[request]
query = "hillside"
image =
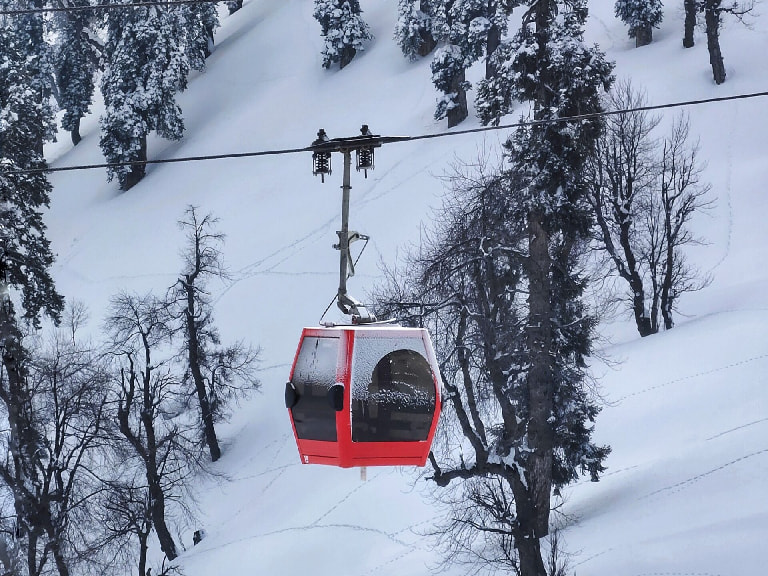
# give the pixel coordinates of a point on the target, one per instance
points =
(686, 411)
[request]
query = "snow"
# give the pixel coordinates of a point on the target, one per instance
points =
(686, 411)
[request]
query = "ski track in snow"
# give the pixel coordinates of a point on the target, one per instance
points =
(309, 528)
(742, 427)
(667, 490)
(678, 574)
(690, 377)
(727, 192)
(339, 503)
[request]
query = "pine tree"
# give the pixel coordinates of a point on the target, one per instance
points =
(449, 77)
(147, 63)
(26, 121)
(473, 30)
(495, 93)
(562, 77)
(499, 283)
(642, 16)
(343, 29)
(418, 27)
(75, 60)
(202, 21)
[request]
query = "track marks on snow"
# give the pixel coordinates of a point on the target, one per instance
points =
(693, 376)
(677, 487)
(737, 428)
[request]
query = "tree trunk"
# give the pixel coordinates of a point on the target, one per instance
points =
(643, 35)
(32, 539)
(143, 547)
(667, 289)
(156, 493)
(690, 23)
(167, 545)
(540, 392)
(460, 111)
(138, 170)
(75, 133)
(527, 542)
(347, 54)
(493, 42)
(61, 563)
(428, 41)
(712, 21)
(209, 42)
(644, 325)
(206, 413)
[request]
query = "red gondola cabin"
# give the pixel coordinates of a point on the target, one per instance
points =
(364, 396)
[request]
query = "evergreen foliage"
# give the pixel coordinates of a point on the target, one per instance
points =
(202, 21)
(472, 29)
(550, 158)
(75, 61)
(343, 29)
(641, 16)
(495, 94)
(26, 123)
(418, 27)
(448, 66)
(147, 62)
(26, 120)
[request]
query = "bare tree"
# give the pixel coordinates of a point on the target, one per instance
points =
(217, 374)
(713, 21)
(147, 399)
(682, 194)
(622, 173)
(644, 192)
(64, 390)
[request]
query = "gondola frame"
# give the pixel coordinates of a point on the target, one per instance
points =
(352, 343)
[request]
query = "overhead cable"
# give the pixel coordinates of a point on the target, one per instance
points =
(398, 139)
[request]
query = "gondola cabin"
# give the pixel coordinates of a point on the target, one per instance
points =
(364, 395)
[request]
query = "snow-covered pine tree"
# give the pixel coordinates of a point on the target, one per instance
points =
(449, 77)
(418, 27)
(562, 77)
(202, 21)
(343, 29)
(75, 61)
(494, 97)
(146, 64)
(641, 16)
(473, 29)
(499, 283)
(26, 121)
(234, 5)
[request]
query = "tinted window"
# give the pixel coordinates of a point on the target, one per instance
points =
(313, 376)
(399, 402)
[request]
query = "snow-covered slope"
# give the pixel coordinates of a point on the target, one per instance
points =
(687, 410)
